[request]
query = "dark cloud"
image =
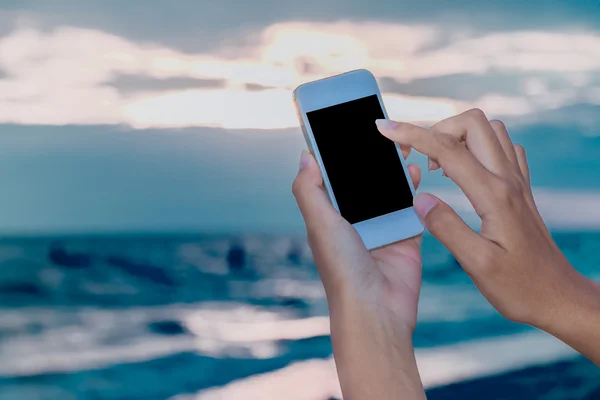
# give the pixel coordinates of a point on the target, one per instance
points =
(132, 83)
(583, 118)
(466, 87)
(255, 87)
(203, 25)
(470, 87)
(7, 20)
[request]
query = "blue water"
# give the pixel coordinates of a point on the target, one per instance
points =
(159, 317)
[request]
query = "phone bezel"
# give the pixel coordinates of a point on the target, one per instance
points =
(381, 230)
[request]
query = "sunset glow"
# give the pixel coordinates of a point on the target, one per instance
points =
(70, 75)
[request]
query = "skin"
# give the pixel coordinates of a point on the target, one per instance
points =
(513, 260)
(372, 296)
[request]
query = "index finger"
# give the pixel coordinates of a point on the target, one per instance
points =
(456, 160)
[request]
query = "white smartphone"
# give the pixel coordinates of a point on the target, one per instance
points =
(364, 172)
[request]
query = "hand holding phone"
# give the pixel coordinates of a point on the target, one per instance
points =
(355, 195)
(363, 172)
(372, 295)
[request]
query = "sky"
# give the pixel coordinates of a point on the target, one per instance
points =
(148, 117)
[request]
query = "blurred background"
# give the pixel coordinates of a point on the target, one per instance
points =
(150, 247)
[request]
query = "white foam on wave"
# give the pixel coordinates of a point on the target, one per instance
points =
(52, 361)
(305, 380)
(560, 209)
(79, 340)
(72, 340)
(485, 357)
(317, 379)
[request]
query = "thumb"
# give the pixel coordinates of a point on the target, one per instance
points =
(310, 196)
(445, 224)
(336, 246)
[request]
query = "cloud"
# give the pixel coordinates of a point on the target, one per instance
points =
(85, 76)
(189, 24)
(227, 108)
(132, 84)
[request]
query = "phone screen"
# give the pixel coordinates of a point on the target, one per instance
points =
(363, 166)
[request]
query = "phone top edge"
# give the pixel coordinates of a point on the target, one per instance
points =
(334, 90)
(317, 81)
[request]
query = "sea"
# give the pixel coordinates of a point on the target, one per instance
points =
(194, 316)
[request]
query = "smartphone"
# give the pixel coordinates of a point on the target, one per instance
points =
(364, 173)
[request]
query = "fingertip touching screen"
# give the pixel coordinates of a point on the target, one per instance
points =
(363, 166)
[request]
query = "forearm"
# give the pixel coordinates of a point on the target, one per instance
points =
(368, 366)
(577, 322)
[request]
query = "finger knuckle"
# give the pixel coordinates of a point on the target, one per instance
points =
(297, 186)
(520, 183)
(448, 147)
(448, 142)
(498, 125)
(520, 150)
(438, 220)
(476, 114)
(440, 126)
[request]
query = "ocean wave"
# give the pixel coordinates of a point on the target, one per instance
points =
(437, 366)
(211, 337)
(215, 311)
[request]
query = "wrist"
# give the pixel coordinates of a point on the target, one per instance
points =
(359, 319)
(347, 305)
(577, 302)
(356, 322)
(579, 323)
(373, 352)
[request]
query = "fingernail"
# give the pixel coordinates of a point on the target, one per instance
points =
(424, 203)
(303, 159)
(429, 164)
(385, 124)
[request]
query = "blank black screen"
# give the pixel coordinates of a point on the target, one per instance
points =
(363, 166)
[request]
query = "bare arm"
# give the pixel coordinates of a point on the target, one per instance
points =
(577, 322)
(372, 297)
(375, 359)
